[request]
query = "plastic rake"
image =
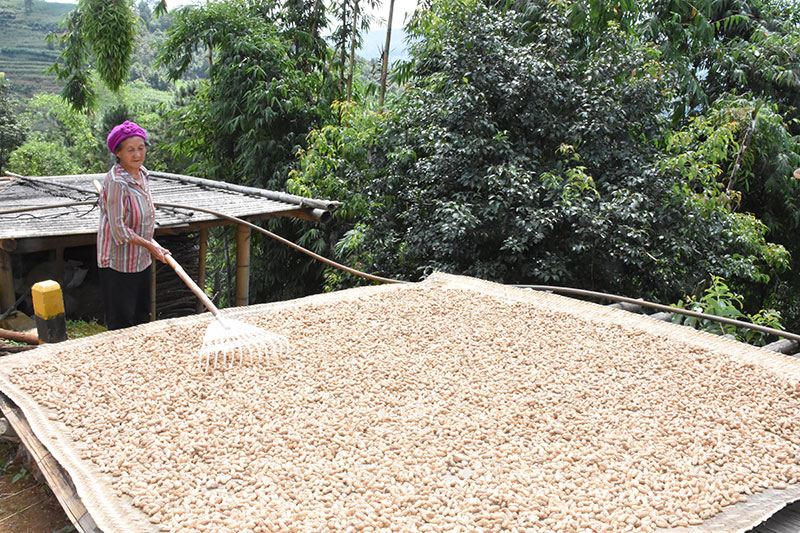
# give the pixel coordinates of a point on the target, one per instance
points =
(229, 342)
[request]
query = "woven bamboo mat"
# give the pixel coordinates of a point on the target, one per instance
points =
(112, 513)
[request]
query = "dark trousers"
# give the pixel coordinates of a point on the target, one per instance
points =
(126, 297)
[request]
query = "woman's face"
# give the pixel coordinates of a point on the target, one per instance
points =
(131, 153)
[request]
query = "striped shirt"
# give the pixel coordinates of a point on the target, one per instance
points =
(126, 208)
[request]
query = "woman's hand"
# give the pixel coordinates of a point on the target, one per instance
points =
(158, 251)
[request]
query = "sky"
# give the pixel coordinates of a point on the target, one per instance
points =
(402, 8)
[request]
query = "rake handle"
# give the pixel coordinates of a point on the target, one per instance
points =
(192, 285)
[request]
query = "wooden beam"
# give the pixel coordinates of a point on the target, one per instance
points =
(201, 265)
(57, 478)
(314, 215)
(242, 265)
(7, 297)
(41, 244)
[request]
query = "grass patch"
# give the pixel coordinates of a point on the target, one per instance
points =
(77, 329)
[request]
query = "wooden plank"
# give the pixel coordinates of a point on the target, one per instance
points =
(40, 244)
(57, 478)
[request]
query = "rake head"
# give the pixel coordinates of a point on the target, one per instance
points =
(229, 342)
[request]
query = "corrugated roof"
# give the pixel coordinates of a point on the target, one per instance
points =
(230, 200)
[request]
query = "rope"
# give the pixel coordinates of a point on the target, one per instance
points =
(288, 243)
(667, 308)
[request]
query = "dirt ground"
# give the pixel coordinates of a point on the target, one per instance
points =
(27, 505)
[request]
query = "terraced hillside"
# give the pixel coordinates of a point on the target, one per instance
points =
(24, 52)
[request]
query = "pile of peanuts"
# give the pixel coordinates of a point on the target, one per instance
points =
(426, 409)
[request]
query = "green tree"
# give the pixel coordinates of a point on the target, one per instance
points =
(266, 89)
(247, 120)
(523, 157)
(98, 32)
(716, 47)
(54, 123)
(337, 165)
(98, 36)
(43, 158)
(12, 132)
(736, 101)
(347, 35)
(739, 157)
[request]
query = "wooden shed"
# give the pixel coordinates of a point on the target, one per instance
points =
(59, 242)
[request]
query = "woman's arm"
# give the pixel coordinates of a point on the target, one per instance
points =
(156, 250)
(114, 192)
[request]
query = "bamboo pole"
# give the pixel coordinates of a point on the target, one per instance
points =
(353, 37)
(242, 265)
(201, 264)
(385, 59)
(307, 203)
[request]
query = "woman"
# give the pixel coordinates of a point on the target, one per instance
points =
(125, 239)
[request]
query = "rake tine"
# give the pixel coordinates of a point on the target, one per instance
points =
(229, 342)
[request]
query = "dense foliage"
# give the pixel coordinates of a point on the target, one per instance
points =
(12, 132)
(532, 157)
(511, 158)
(100, 30)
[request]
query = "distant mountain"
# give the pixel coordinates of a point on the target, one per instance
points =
(376, 39)
(24, 52)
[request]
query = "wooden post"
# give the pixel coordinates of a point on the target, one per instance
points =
(242, 265)
(153, 292)
(6, 281)
(201, 265)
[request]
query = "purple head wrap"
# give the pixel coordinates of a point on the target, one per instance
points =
(122, 132)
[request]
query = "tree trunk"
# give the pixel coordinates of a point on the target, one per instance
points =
(352, 53)
(314, 17)
(747, 137)
(342, 54)
(385, 64)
